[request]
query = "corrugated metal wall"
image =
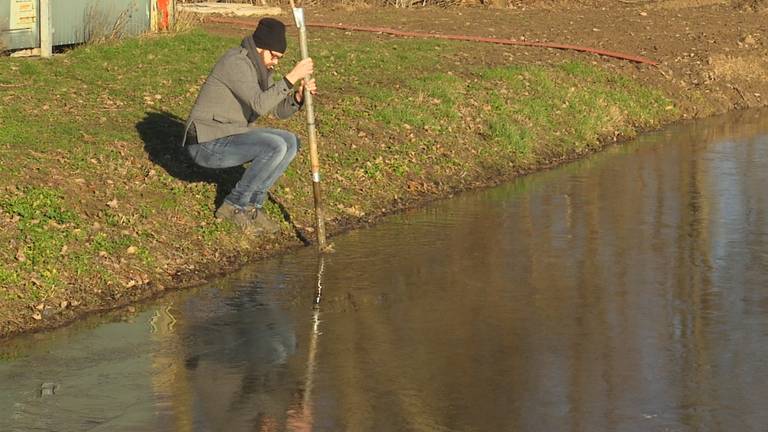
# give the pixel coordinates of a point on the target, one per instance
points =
(77, 21)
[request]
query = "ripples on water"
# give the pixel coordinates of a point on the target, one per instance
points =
(625, 292)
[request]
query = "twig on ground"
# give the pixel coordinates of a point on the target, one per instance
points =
(738, 90)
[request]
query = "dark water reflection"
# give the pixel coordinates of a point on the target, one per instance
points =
(628, 292)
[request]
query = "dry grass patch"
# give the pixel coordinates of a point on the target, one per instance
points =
(751, 68)
(185, 20)
(685, 4)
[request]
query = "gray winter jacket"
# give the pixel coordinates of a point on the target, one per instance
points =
(231, 97)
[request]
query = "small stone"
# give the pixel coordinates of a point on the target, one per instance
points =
(749, 40)
(643, 13)
(132, 250)
(48, 389)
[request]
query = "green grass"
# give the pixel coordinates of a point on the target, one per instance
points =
(44, 226)
(548, 112)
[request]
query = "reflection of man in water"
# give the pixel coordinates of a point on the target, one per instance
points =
(238, 367)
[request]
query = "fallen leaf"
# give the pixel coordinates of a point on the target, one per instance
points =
(113, 203)
(132, 250)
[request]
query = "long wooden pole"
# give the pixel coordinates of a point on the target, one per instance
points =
(298, 15)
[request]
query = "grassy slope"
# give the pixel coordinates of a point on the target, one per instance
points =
(99, 206)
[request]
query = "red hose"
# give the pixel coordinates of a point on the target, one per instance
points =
(613, 54)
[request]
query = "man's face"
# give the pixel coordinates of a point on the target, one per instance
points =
(270, 58)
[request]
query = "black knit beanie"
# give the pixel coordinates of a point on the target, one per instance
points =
(270, 35)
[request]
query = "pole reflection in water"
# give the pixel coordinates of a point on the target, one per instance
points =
(305, 422)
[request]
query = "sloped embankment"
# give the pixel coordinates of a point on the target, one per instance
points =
(100, 207)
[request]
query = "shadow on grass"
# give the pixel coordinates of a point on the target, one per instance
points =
(162, 133)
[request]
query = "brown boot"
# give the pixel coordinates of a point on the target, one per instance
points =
(236, 215)
(261, 221)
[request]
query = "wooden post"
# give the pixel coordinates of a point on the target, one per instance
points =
(153, 21)
(46, 36)
(172, 14)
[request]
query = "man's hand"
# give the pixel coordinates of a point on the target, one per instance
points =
(302, 70)
(305, 85)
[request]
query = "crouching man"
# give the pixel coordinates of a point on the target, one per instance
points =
(238, 91)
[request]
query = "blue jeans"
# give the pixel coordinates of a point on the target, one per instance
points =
(268, 150)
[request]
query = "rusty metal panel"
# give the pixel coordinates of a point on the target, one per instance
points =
(18, 24)
(77, 21)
